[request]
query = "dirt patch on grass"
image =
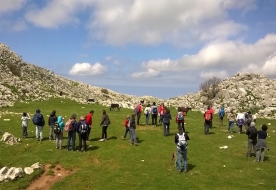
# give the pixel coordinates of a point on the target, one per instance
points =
(50, 176)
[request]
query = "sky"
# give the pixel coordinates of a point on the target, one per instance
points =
(158, 48)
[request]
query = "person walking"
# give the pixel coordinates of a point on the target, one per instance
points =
(88, 119)
(71, 126)
(251, 132)
(132, 131)
(221, 114)
(104, 124)
(166, 122)
(127, 125)
(24, 124)
(179, 119)
(147, 112)
(138, 110)
(261, 144)
(59, 136)
(154, 113)
(231, 121)
(82, 129)
(181, 141)
(39, 122)
(207, 120)
(240, 119)
(51, 123)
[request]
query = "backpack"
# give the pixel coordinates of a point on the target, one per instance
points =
(154, 110)
(180, 116)
(57, 129)
(83, 127)
(253, 132)
(137, 110)
(221, 112)
(208, 115)
(37, 119)
(182, 143)
(69, 125)
(126, 122)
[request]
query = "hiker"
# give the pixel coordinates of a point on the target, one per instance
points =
(39, 122)
(261, 144)
(71, 124)
(82, 129)
(51, 123)
(181, 141)
(161, 111)
(127, 125)
(212, 111)
(132, 132)
(240, 120)
(88, 119)
(207, 120)
(104, 123)
(248, 119)
(138, 110)
(231, 120)
(251, 132)
(166, 122)
(221, 114)
(59, 135)
(24, 123)
(147, 113)
(154, 113)
(179, 119)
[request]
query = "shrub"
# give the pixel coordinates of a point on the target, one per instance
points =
(105, 91)
(14, 68)
(210, 88)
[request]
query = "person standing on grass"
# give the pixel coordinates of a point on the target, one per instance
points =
(24, 123)
(248, 119)
(179, 119)
(207, 120)
(132, 132)
(127, 125)
(251, 132)
(231, 121)
(240, 119)
(161, 111)
(88, 119)
(212, 111)
(221, 114)
(59, 136)
(138, 110)
(51, 123)
(166, 122)
(104, 123)
(72, 125)
(154, 113)
(181, 141)
(39, 122)
(261, 144)
(147, 113)
(82, 129)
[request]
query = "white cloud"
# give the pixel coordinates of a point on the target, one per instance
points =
(146, 74)
(13, 5)
(87, 69)
(211, 74)
(234, 55)
(56, 13)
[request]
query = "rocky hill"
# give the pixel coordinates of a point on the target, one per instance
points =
(20, 81)
(241, 92)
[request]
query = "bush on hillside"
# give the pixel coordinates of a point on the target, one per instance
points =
(14, 68)
(104, 91)
(210, 88)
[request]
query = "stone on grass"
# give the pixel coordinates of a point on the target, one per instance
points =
(36, 166)
(9, 139)
(28, 170)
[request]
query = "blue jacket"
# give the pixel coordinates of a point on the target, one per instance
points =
(60, 123)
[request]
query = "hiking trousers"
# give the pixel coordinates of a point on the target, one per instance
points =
(82, 139)
(154, 119)
(132, 133)
(59, 140)
(38, 132)
(251, 144)
(166, 129)
(52, 135)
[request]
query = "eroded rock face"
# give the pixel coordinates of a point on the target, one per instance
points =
(9, 139)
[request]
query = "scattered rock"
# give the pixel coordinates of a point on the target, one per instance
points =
(9, 139)
(28, 170)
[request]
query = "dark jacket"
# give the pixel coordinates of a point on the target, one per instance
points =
(132, 122)
(105, 120)
(252, 133)
(167, 117)
(78, 126)
(52, 120)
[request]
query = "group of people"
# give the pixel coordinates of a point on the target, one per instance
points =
(256, 139)
(57, 126)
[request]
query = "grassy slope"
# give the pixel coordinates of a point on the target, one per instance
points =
(116, 164)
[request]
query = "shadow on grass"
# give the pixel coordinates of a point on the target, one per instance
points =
(139, 140)
(113, 137)
(191, 166)
(92, 148)
(211, 133)
(95, 139)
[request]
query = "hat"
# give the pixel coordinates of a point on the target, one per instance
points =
(252, 124)
(74, 116)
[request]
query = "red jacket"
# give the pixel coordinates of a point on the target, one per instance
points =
(88, 119)
(161, 110)
(140, 108)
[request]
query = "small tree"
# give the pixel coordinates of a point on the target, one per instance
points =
(210, 88)
(104, 91)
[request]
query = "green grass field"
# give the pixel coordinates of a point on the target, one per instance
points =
(115, 164)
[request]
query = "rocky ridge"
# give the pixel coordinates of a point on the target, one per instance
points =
(27, 82)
